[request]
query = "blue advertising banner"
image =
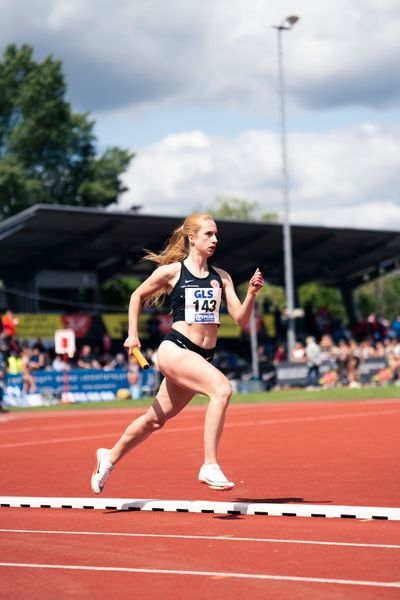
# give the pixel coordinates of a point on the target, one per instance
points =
(83, 385)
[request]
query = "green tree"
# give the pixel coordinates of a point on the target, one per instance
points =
(48, 153)
(240, 209)
(117, 292)
(318, 295)
(380, 296)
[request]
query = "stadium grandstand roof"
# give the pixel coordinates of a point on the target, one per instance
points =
(112, 243)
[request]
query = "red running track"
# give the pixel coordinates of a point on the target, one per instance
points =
(335, 453)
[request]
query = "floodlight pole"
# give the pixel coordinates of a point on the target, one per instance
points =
(287, 237)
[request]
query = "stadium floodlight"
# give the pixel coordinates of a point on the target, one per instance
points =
(289, 22)
(286, 25)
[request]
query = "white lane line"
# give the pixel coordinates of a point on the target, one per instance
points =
(18, 417)
(203, 537)
(327, 417)
(59, 440)
(233, 575)
(200, 427)
(181, 417)
(123, 420)
(65, 426)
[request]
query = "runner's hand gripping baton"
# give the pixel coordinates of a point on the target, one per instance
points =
(140, 358)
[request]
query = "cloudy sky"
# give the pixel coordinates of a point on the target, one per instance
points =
(192, 89)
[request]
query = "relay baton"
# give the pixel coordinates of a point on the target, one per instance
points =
(140, 358)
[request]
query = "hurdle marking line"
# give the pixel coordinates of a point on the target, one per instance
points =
(216, 538)
(204, 506)
(224, 574)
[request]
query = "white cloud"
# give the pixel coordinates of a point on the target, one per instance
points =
(65, 13)
(129, 58)
(128, 53)
(372, 215)
(345, 177)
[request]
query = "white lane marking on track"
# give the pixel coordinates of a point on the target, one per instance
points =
(328, 417)
(203, 537)
(189, 410)
(59, 440)
(233, 575)
(131, 413)
(188, 414)
(66, 426)
(199, 427)
(19, 417)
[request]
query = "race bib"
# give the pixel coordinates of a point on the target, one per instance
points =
(202, 305)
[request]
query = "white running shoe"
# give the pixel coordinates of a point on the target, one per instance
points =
(102, 470)
(214, 477)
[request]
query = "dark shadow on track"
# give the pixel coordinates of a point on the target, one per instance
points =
(280, 501)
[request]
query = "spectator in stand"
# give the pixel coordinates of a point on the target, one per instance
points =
(280, 355)
(28, 381)
(358, 330)
(313, 354)
(119, 362)
(261, 355)
(339, 331)
(343, 362)
(14, 362)
(59, 364)
(354, 364)
(134, 379)
(392, 355)
(3, 372)
(2, 380)
(298, 353)
(87, 360)
(396, 328)
(37, 360)
(380, 350)
(374, 327)
(39, 344)
(389, 344)
(366, 349)
(266, 368)
(9, 322)
(151, 355)
(328, 350)
(396, 366)
(4, 352)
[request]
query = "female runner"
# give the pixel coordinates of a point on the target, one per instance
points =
(184, 356)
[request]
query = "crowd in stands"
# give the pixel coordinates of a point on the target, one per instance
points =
(347, 355)
(22, 358)
(322, 342)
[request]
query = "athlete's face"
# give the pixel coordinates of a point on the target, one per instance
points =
(206, 239)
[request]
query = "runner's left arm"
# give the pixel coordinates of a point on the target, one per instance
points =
(241, 312)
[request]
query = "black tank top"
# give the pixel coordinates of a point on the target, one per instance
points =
(201, 302)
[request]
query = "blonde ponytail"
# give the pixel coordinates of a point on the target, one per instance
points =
(176, 249)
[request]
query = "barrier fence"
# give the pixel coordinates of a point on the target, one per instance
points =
(83, 385)
(290, 374)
